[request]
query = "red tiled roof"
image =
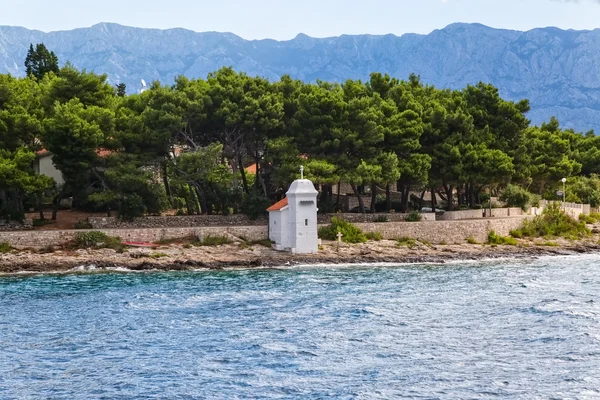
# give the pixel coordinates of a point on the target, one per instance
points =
(279, 205)
(251, 169)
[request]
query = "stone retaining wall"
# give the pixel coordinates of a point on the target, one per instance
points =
(7, 226)
(38, 239)
(194, 221)
(450, 232)
(456, 215)
(431, 231)
(172, 221)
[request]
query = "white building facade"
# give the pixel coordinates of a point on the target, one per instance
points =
(293, 220)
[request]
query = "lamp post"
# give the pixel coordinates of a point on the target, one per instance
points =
(564, 181)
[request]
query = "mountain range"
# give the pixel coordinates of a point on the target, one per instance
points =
(557, 70)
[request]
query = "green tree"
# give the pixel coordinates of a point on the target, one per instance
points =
(40, 61)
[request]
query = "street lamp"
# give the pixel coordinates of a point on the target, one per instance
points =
(564, 181)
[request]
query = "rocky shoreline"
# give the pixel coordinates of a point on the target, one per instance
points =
(243, 256)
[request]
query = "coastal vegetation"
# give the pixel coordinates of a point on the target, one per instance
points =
(552, 223)
(350, 232)
(187, 145)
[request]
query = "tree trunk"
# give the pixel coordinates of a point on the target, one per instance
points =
(388, 198)
(361, 204)
(55, 207)
(243, 173)
(449, 196)
(41, 208)
(163, 167)
(337, 203)
(433, 200)
(373, 197)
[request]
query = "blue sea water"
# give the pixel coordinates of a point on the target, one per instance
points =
(497, 329)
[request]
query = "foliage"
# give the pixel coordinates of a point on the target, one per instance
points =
(37, 223)
(496, 239)
(414, 216)
(553, 223)
(215, 240)
(406, 242)
(374, 236)
(516, 196)
(351, 233)
(381, 219)
(254, 205)
(40, 61)
(472, 240)
(82, 224)
(187, 145)
(5, 247)
(96, 240)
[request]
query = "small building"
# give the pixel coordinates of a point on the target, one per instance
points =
(43, 165)
(293, 220)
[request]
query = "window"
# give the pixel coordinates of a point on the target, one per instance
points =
(305, 222)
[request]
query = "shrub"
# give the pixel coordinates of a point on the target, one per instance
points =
(554, 223)
(414, 216)
(495, 239)
(516, 233)
(96, 240)
(5, 247)
(381, 218)
(132, 207)
(82, 224)
(254, 205)
(472, 240)
(351, 233)
(588, 219)
(215, 240)
(516, 196)
(42, 222)
(374, 236)
(406, 242)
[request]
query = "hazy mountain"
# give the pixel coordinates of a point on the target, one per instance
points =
(559, 71)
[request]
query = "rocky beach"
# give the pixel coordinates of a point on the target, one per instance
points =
(177, 257)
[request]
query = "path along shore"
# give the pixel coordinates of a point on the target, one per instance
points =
(241, 255)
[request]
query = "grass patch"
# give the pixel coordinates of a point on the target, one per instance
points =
(443, 243)
(351, 233)
(82, 224)
(265, 243)
(472, 240)
(496, 239)
(156, 256)
(549, 244)
(414, 216)
(406, 242)
(554, 223)
(516, 233)
(591, 219)
(5, 247)
(381, 219)
(37, 223)
(96, 240)
(215, 241)
(374, 236)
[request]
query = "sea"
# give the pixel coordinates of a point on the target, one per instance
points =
(514, 329)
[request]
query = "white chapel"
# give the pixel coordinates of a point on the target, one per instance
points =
(293, 220)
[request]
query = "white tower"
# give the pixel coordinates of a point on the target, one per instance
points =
(302, 218)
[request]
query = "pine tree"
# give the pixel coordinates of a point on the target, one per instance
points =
(40, 61)
(121, 89)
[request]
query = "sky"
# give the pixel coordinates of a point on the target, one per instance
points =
(284, 19)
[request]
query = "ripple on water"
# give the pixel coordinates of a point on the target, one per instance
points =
(501, 328)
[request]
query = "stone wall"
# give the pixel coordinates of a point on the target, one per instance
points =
(365, 218)
(6, 226)
(190, 221)
(432, 231)
(456, 215)
(38, 239)
(450, 232)
(194, 221)
(505, 212)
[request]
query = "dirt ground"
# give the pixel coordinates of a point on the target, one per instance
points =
(65, 219)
